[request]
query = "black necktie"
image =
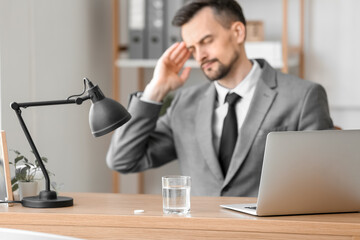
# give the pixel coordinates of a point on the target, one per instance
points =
(229, 133)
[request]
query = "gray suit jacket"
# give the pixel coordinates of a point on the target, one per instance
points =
(280, 103)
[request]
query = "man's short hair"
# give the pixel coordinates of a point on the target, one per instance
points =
(226, 12)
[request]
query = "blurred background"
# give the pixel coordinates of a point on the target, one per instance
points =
(48, 46)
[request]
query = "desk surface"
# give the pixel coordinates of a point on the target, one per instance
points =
(111, 216)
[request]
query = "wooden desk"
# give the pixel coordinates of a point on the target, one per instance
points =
(111, 216)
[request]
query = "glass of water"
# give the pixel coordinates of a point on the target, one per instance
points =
(176, 194)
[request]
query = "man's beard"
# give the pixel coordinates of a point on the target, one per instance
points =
(223, 70)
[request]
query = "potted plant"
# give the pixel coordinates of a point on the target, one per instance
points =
(25, 179)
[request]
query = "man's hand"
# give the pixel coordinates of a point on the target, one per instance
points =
(167, 75)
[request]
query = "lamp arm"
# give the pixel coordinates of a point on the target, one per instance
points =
(16, 107)
(35, 151)
(77, 101)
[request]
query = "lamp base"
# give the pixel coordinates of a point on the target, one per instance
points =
(47, 199)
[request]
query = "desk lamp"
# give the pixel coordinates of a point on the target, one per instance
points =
(105, 116)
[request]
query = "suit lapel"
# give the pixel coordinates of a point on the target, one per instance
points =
(204, 133)
(262, 100)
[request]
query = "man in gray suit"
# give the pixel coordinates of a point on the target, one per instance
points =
(191, 131)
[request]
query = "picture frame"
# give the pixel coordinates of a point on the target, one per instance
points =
(6, 193)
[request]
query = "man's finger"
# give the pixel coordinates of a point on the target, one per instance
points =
(177, 51)
(185, 74)
(184, 59)
(180, 57)
(171, 49)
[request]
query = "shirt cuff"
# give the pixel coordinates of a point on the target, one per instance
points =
(144, 98)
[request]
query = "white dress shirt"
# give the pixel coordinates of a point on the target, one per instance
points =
(245, 89)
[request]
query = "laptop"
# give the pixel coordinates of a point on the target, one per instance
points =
(308, 172)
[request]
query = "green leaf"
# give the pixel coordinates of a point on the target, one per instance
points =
(29, 165)
(37, 164)
(27, 170)
(15, 187)
(44, 159)
(15, 151)
(13, 180)
(22, 174)
(19, 158)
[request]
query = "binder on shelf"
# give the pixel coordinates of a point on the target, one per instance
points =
(137, 29)
(172, 34)
(155, 28)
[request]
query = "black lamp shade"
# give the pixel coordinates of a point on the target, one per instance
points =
(106, 115)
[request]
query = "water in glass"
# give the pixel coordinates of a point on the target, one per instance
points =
(176, 199)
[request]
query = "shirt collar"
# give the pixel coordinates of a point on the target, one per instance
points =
(243, 88)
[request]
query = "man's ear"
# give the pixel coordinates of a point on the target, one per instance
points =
(239, 31)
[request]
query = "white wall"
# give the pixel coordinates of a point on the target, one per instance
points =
(332, 53)
(47, 47)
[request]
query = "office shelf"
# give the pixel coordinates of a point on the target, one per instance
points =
(147, 63)
(271, 51)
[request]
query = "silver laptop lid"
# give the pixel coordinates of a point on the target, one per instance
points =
(310, 172)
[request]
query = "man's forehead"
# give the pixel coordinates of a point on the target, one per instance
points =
(189, 42)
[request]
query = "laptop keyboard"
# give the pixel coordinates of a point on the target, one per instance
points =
(253, 208)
